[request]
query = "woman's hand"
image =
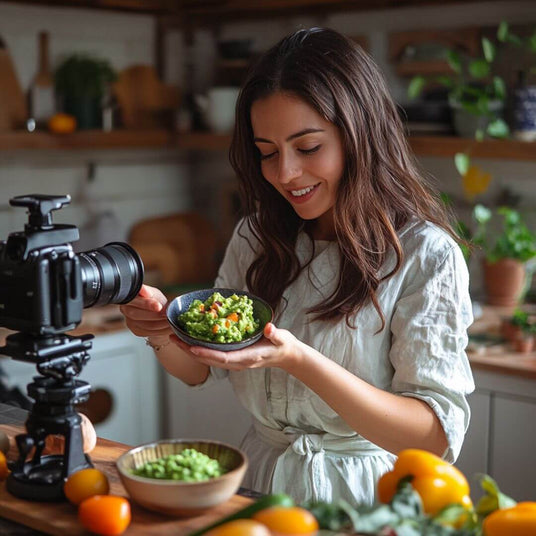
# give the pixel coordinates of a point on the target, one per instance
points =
(278, 348)
(146, 315)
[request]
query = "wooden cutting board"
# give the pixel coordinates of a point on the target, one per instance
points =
(60, 518)
(13, 108)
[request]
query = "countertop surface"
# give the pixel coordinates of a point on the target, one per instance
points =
(497, 355)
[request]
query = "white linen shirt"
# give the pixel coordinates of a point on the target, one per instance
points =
(298, 444)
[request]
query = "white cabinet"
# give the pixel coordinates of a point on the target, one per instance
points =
(125, 372)
(210, 413)
(501, 439)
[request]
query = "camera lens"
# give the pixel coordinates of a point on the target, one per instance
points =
(110, 274)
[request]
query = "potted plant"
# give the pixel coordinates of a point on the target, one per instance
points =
(475, 95)
(509, 255)
(81, 83)
(512, 326)
(522, 331)
(524, 101)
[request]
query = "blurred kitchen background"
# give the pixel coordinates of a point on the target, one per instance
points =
(146, 159)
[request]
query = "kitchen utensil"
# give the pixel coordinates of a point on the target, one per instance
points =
(261, 311)
(42, 105)
(177, 497)
(13, 109)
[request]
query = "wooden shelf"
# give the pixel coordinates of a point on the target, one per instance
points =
(437, 146)
(446, 146)
(86, 139)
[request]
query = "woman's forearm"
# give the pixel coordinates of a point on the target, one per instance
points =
(177, 362)
(390, 421)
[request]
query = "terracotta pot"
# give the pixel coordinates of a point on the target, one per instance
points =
(524, 345)
(510, 331)
(504, 281)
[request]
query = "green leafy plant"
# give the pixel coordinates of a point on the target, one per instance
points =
(82, 75)
(528, 43)
(515, 241)
(472, 85)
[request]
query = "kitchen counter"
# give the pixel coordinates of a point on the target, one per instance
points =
(496, 355)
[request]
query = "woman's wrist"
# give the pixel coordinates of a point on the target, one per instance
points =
(157, 342)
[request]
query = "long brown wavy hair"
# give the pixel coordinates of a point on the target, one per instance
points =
(380, 190)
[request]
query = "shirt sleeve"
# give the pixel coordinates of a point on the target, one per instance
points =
(429, 337)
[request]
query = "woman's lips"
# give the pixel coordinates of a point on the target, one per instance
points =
(303, 197)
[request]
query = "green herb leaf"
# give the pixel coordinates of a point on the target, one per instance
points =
(462, 162)
(416, 86)
(479, 68)
(489, 50)
(498, 129)
(454, 61)
(499, 87)
(502, 31)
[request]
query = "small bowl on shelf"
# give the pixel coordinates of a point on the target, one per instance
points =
(262, 312)
(178, 497)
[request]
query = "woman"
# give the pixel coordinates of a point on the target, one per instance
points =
(366, 353)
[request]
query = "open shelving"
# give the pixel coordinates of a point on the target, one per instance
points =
(436, 146)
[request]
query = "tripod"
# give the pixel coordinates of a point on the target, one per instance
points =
(59, 359)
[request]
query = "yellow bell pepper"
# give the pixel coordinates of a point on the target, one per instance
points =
(518, 520)
(437, 482)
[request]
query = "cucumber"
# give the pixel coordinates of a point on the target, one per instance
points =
(276, 499)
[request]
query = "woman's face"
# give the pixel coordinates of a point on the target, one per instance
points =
(301, 156)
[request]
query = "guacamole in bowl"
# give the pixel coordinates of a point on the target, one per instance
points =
(219, 318)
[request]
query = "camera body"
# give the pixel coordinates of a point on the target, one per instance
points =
(41, 289)
(44, 285)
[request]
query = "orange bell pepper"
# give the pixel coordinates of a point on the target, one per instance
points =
(518, 520)
(437, 482)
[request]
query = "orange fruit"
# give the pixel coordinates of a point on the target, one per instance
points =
(85, 483)
(288, 520)
(4, 470)
(240, 527)
(62, 124)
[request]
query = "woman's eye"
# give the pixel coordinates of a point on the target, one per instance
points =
(267, 156)
(310, 151)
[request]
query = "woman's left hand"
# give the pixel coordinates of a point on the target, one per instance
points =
(277, 348)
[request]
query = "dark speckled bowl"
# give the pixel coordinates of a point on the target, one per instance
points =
(261, 312)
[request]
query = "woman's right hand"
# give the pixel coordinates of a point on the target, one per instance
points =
(146, 315)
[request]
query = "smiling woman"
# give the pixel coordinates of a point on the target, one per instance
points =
(344, 239)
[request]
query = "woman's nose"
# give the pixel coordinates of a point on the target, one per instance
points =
(289, 169)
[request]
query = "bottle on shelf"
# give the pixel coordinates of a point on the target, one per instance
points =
(42, 104)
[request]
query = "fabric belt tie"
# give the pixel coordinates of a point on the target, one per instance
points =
(305, 454)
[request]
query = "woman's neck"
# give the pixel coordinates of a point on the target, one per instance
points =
(323, 228)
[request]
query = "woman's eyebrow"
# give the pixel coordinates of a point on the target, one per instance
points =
(292, 136)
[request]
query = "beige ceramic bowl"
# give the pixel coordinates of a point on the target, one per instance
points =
(178, 498)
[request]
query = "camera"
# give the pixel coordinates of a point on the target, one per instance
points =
(44, 285)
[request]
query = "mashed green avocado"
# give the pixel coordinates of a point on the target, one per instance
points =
(220, 319)
(189, 465)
